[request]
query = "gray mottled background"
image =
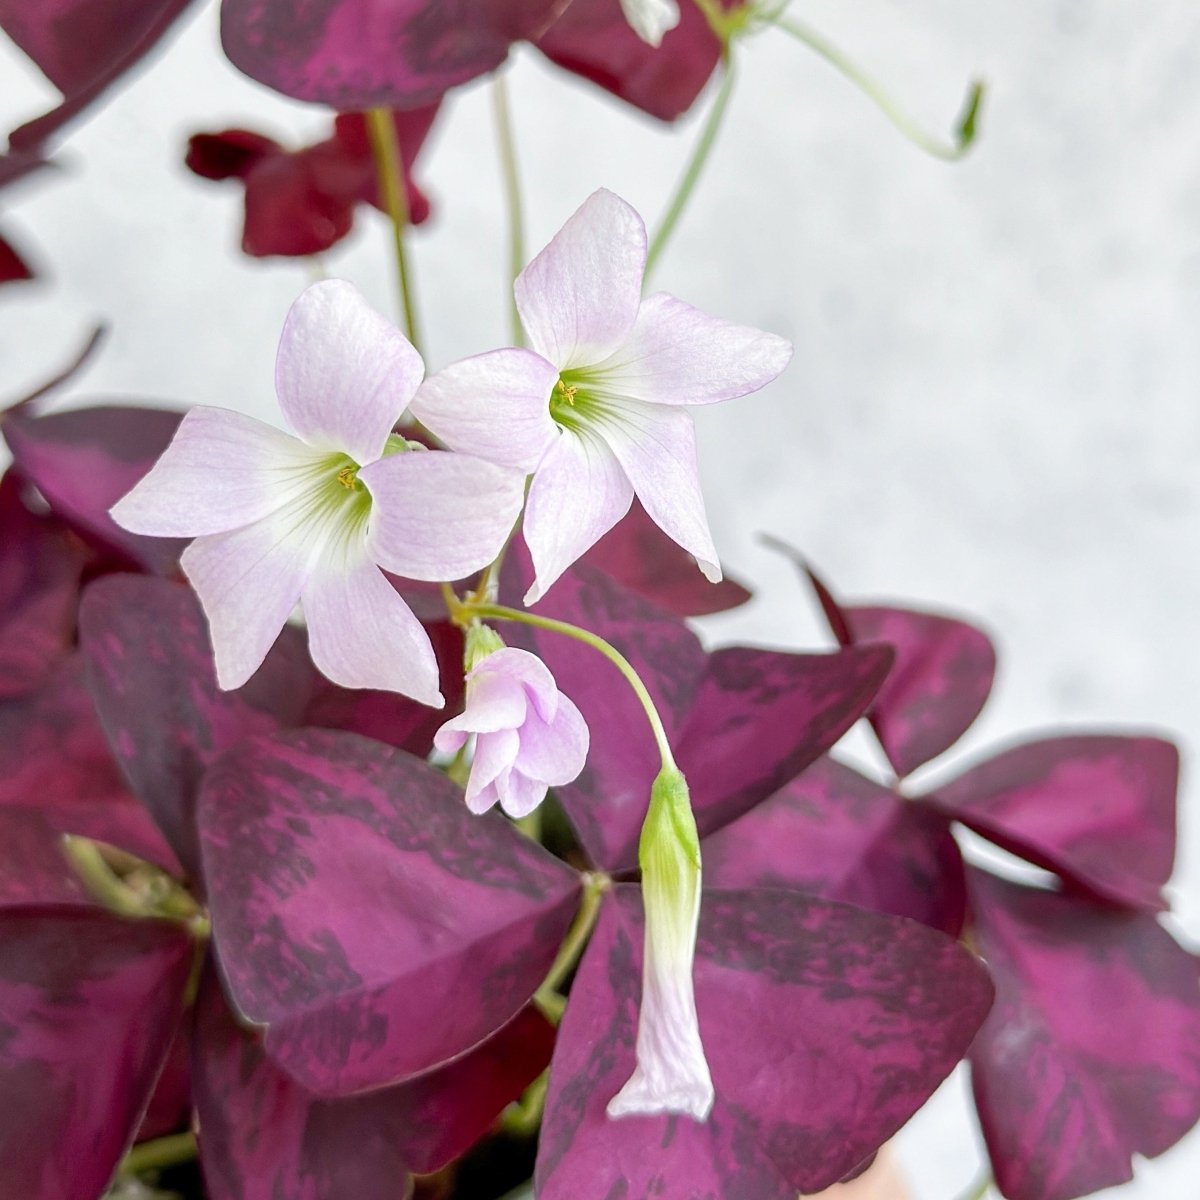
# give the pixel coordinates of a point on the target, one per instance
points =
(993, 404)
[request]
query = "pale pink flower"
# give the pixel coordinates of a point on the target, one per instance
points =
(313, 517)
(529, 737)
(597, 409)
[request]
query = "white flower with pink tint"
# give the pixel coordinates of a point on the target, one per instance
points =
(529, 737)
(597, 410)
(312, 515)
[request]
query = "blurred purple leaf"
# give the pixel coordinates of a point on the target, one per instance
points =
(262, 1136)
(65, 374)
(643, 559)
(833, 833)
(88, 1007)
(40, 570)
(82, 47)
(593, 38)
(57, 776)
(825, 1027)
(363, 915)
(150, 669)
(360, 54)
(1092, 1052)
(302, 202)
(85, 460)
(13, 268)
(1098, 810)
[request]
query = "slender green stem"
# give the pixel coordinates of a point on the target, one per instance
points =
(523, 1116)
(512, 193)
(691, 175)
(159, 1153)
(381, 128)
(965, 130)
(497, 612)
(595, 884)
(980, 1188)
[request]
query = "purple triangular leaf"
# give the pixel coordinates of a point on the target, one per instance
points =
(85, 460)
(833, 833)
(88, 1006)
(1092, 1053)
(57, 776)
(359, 54)
(363, 916)
(150, 669)
(1099, 810)
(82, 46)
(761, 716)
(40, 570)
(593, 38)
(643, 559)
(856, 1019)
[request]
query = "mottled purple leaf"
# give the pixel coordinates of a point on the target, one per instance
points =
(82, 46)
(85, 460)
(262, 1136)
(360, 54)
(1092, 1052)
(362, 915)
(150, 669)
(1099, 810)
(761, 716)
(40, 568)
(643, 559)
(57, 776)
(826, 1028)
(88, 1006)
(835, 834)
(170, 1107)
(593, 38)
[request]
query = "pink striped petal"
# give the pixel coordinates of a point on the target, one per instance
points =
(362, 634)
(579, 493)
(495, 405)
(343, 373)
(578, 299)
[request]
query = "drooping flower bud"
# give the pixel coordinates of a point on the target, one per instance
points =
(529, 737)
(672, 1073)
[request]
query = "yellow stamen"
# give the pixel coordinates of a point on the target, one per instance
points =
(348, 478)
(568, 392)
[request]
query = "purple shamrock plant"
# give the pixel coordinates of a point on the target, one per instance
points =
(1068, 1089)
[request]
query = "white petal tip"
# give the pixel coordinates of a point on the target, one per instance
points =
(533, 595)
(711, 571)
(638, 1099)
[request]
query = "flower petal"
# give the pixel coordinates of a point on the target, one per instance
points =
(492, 704)
(676, 354)
(344, 374)
(651, 19)
(440, 516)
(578, 494)
(578, 299)
(248, 581)
(494, 754)
(554, 751)
(520, 795)
(656, 446)
(221, 471)
(363, 635)
(495, 405)
(528, 672)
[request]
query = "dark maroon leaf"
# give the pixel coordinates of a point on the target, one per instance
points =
(82, 46)
(856, 1019)
(170, 1107)
(13, 268)
(57, 776)
(262, 1137)
(40, 568)
(640, 557)
(1092, 1053)
(761, 716)
(85, 460)
(230, 154)
(88, 1006)
(836, 834)
(374, 926)
(150, 668)
(1099, 810)
(593, 38)
(360, 54)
